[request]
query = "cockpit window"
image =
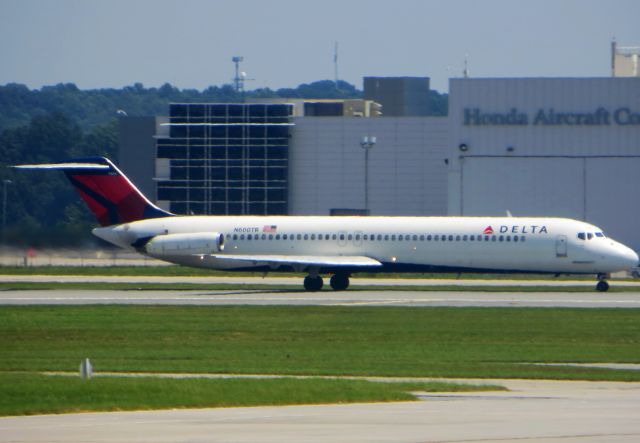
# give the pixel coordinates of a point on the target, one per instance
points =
(581, 235)
(599, 234)
(590, 235)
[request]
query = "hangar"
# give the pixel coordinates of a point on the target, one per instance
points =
(567, 147)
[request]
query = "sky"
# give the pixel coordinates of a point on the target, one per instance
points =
(190, 43)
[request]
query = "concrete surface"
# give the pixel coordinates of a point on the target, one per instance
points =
(323, 298)
(283, 280)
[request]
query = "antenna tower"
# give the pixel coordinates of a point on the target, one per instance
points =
(335, 64)
(238, 80)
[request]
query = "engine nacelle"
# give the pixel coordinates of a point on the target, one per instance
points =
(185, 244)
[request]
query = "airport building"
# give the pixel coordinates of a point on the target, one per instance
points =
(567, 147)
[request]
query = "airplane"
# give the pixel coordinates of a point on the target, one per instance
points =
(340, 245)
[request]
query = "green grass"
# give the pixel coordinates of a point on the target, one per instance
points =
(389, 341)
(175, 270)
(26, 394)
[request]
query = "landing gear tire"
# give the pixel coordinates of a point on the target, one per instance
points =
(313, 284)
(339, 282)
(602, 286)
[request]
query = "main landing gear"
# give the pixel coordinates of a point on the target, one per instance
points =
(338, 282)
(602, 285)
(313, 284)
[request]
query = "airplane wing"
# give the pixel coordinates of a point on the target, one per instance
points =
(301, 261)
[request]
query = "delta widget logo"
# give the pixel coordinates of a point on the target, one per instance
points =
(488, 230)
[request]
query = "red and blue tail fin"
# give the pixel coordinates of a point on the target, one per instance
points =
(110, 195)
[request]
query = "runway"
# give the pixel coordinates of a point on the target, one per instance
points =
(323, 298)
(536, 411)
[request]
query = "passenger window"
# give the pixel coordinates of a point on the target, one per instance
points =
(393, 237)
(357, 236)
(306, 236)
(422, 238)
(429, 237)
(235, 236)
(501, 238)
(400, 237)
(522, 237)
(443, 238)
(386, 237)
(457, 238)
(270, 236)
(493, 238)
(350, 237)
(472, 238)
(299, 236)
(379, 237)
(319, 236)
(264, 236)
(365, 237)
(341, 236)
(415, 237)
(465, 237)
(277, 236)
(284, 236)
(313, 236)
(508, 238)
(334, 236)
(241, 236)
(515, 238)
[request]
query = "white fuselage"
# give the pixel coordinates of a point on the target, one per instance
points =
(475, 244)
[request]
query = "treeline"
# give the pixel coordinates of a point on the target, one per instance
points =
(18, 104)
(42, 208)
(59, 122)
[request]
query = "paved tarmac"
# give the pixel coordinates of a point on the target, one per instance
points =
(323, 298)
(536, 411)
(280, 281)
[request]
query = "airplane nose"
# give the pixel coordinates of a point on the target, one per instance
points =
(628, 258)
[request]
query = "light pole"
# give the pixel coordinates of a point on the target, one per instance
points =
(367, 143)
(5, 182)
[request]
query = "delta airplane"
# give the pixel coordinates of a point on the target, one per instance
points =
(340, 246)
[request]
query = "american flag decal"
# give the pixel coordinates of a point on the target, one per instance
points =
(270, 228)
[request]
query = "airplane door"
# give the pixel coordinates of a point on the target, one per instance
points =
(561, 246)
(342, 238)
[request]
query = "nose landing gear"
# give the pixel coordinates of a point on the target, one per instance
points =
(602, 285)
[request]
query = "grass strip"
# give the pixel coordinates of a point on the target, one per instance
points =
(293, 287)
(27, 394)
(321, 340)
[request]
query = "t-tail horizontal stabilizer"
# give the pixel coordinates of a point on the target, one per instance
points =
(110, 195)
